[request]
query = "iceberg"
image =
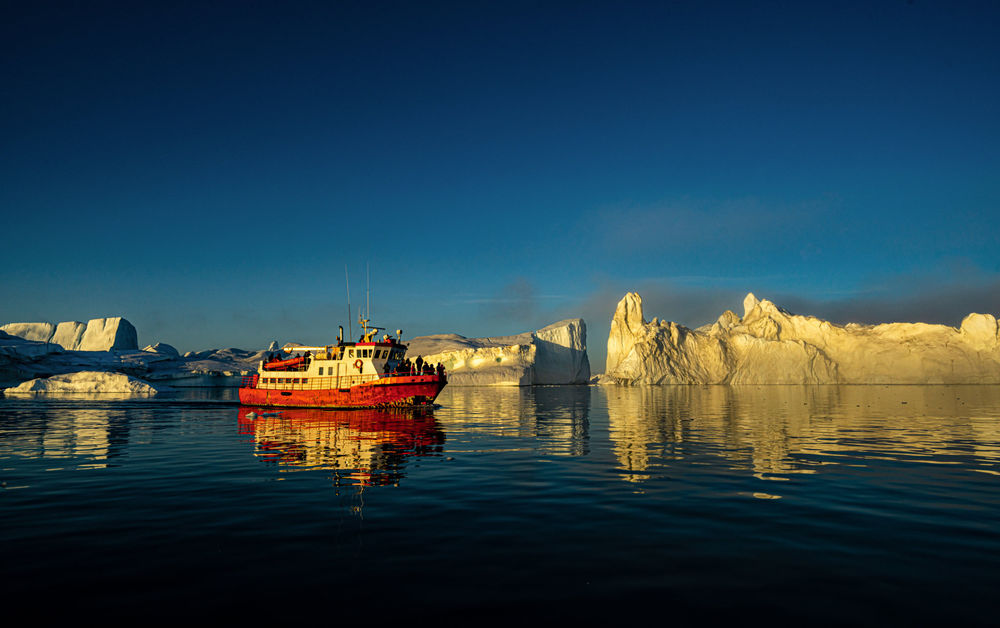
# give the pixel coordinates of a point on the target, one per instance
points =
(33, 350)
(163, 349)
(556, 354)
(37, 332)
(769, 345)
(98, 334)
(87, 382)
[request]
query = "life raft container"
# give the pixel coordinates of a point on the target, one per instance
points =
(284, 365)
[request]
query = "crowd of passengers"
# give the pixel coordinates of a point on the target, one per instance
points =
(416, 367)
(403, 367)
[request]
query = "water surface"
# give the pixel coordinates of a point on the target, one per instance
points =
(829, 505)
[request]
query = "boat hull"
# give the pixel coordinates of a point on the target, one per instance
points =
(385, 392)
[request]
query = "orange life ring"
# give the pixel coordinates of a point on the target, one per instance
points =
(358, 364)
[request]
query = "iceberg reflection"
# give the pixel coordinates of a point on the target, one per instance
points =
(781, 430)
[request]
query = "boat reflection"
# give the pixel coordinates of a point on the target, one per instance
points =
(363, 447)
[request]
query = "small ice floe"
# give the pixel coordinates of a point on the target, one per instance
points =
(251, 415)
(92, 382)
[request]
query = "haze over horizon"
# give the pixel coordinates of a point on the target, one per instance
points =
(207, 171)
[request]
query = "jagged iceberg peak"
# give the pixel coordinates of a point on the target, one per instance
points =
(626, 325)
(754, 308)
(770, 345)
(629, 311)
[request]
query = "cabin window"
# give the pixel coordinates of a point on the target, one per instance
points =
(305, 380)
(350, 352)
(321, 370)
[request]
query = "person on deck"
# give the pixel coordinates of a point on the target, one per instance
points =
(420, 363)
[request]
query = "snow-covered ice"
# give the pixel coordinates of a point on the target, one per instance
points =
(556, 354)
(98, 334)
(768, 345)
(86, 382)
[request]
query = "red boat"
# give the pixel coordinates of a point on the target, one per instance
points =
(369, 373)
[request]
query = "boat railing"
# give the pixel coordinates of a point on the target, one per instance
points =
(315, 383)
(288, 382)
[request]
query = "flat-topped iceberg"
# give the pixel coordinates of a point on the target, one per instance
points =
(556, 354)
(768, 345)
(87, 382)
(98, 334)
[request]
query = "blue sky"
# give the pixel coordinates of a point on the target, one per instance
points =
(208, 171)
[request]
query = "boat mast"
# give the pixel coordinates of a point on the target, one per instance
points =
(350, 326)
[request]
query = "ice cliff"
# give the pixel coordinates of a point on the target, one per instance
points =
(556, 354)
(768, 345)
(98, 334)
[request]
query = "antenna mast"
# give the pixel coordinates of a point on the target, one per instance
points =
(350, 326)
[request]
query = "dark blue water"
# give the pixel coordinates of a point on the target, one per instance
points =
(819, 505)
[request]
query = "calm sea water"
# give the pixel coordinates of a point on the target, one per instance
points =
(819, 505)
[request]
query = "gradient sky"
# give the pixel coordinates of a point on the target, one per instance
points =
(207, 170)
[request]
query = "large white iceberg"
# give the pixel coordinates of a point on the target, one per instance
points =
(556, 354)
(88, 382)
(768, 345)
(98, 334)
(30, 350)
